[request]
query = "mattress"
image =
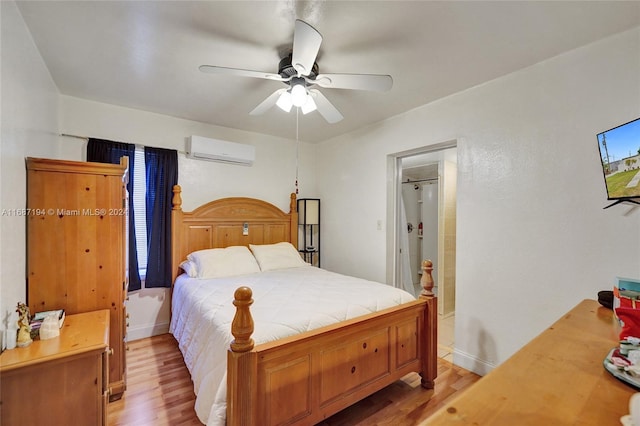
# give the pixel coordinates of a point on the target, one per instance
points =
(286, 302)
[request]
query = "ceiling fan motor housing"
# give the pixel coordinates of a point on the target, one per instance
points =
(286, 70)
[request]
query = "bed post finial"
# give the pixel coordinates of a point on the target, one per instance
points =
(293, 205)
(427, 279)
(242, 325)
(177, 198)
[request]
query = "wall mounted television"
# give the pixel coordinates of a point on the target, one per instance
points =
(620, 158)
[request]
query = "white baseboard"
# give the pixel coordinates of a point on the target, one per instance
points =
(149, 330)
(471, 363)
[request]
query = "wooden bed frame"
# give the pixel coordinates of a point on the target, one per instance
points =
(305, 378)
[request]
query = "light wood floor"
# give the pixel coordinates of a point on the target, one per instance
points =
(160, 392)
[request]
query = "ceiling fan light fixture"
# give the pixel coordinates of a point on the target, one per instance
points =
(309, 106)
(284, 101)
(298, 95)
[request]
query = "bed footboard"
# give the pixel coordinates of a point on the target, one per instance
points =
(306, 378)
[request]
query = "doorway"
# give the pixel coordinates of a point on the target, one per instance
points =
(423, 200)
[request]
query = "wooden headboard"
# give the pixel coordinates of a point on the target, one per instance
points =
(220, 224)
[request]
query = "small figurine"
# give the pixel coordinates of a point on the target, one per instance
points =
(24, 329)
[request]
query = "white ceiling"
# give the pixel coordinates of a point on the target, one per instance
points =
(145, 54)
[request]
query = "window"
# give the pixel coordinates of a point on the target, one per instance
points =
(154, 170)
(140, 209)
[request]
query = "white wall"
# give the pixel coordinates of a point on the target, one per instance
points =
(29, 127)
(271, 178)
(532, 236)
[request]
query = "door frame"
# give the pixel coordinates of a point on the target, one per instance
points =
(394, 198)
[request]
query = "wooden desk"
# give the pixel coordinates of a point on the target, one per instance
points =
(59, 381)
(556, 379)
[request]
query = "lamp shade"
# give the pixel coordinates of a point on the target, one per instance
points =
(308, 211)
(298, 95)
(309, 106)
(284, 102)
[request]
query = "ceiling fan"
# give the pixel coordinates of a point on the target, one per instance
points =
(300, 72)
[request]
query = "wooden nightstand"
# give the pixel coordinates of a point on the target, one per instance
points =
(59, 381)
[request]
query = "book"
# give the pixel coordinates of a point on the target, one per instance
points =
(38, 317)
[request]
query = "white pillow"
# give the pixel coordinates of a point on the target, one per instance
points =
(224, 262)
(190, 268)
(277, 256)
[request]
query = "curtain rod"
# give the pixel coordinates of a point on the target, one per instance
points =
(86, 138)
(421, 180)
(66, 135)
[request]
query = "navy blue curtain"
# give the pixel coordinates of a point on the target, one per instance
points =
(162, 174)
(104, 151)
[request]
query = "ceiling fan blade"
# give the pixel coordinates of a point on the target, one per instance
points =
(374, 82)
(212, 69)
(267, 103)
(326, 108)
(306, 45)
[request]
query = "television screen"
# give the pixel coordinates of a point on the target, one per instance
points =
(620, 155)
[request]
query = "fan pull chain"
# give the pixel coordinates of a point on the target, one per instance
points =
(297, 146)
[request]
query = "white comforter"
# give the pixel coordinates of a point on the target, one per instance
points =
(286, 302)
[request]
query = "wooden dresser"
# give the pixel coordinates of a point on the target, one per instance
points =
(77, 245)
(59, 381)
(556, 379)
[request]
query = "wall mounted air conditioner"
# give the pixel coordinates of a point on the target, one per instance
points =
(201, 148)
